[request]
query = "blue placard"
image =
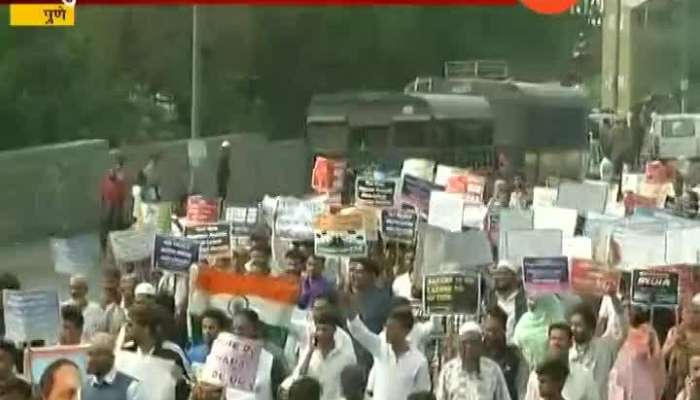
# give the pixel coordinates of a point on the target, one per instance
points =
(175, 254)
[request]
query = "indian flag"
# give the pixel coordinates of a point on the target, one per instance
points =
(273, 298)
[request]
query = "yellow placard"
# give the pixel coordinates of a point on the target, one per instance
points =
(42, 15)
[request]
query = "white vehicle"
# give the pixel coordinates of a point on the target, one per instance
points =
(675, 136)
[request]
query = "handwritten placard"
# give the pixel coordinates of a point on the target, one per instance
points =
(545, 275)
(132, 245)
(234, 361)
(175, 254)
(451, 293)
(658, 288)
(588, 278)
(380, 193)
(214, 239)
(31, 315)
(399, 226)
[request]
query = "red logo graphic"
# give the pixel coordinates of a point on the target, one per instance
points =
(548, 6)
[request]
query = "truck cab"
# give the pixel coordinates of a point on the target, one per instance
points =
(675, 136)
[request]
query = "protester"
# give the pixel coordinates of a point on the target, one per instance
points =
(508, 294)
(353, 381)
(213, 322)
(313, 283)
(305, 388)
(9, 381)
(294, 263)
(681, 342)
(104, 381)
(8, 281)
(639, 371)
(508, 357)
(399, 369)
(60, 381)
(16, 389)
(531, 331)
(259, 263)
(471, 376)
(149, 179)
(144, 293)
(691, 390)
(324, 360)
(551, 378)
(127, 286)
(223, 171)
(579, 384)
(594, 354)
(143, 338)
(114, 191)
(374, 301)
(403, 283)
(519, 197)
(114, 316)
(92, 312)
(72, 326)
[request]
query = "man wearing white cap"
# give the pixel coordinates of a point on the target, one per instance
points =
(471, 376)
(508, 294)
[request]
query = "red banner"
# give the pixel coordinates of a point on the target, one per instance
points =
(588, 278)
(202, 210)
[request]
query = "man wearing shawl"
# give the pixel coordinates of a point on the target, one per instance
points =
(681, 342)
(531, 331)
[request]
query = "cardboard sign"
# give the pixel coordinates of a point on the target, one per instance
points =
(544, 196)
(416, 192)
(375, 193)
(328, 175)
(451, 293)
(545, 275)
(657, 288)
(75, 255)
(157, 216)
(31, 315)
(39, 358)
(563, 219)
(446, 210)
(471, 185)
(201, 210)
(531, 243)
(234, 361)
(214, 239)
(587, 278)
(294, 217)
(582, 197)
(340, 236)
(175, 254)
(474, 215)
(577, 247)
(132, 245)
(243, 220)
(399, 226)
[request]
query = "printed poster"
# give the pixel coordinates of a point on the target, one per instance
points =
(132, 245)
(451, 293)
(214, 239)
(175, 254)
(563, 219)
(471, 185)
(545, 275)
(544, 196)
(328, 175)
(243, 220)
(379, 193)
(657, 287)
(340, 236)
(589, 278)
(201, 210)
(446, 210)
(399, 226)
(157, 216)
(294, 217)
(39, 358)
(416, 192)
(582, 197)
(75, 255)
(31, 315)
(234, 361)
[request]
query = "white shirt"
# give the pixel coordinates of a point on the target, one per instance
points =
(597, 357)
(395, 377)
(327, 370)
(301, 327)
(402, 286)
(454, 383)
(133, 392)
(507, 304)
(93, 317)
(579, 385)
(614, 321)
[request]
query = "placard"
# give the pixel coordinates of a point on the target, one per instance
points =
(545, 275)
(39, 358)
(380, 193)
(416, 192)
(563, 219)
(31, 315)
(132, 245)
(243, 220)
(446, 210)
(214, 239)
(582, 197)
(588, 278)
(144, 368)
(451, 293)
(340, 236)
(399, 226)
(544, 196)
(234, 361)
(471, 185)
(294, 217)
(577, 247)
(201, 210)
(175, 254)
(657, 288)
(75, 255)
(328, 175)
(157, 216)
(531, 243)
(474, 215)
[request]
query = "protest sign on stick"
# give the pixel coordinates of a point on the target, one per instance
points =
(294, 217)
(399, 226)
(75, 255)
(655, 287)
(545, 275)
(582, 197)
(416, 192)
(380, 193)
(446, 210)
(531, 243)
(451, 293)
(340, 236)
(214, 239)
(31, 315)
(233, 360)
(175, 254)
(132, 245)
(588, 278)
(243, 220)
(201, 210)
(157, 216)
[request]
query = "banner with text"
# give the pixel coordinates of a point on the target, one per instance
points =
(451, 293)
(234, 361)
(31, 315)
(340, 236)
(375, 193)
(656, 288)
(399, 226)
(201, 210)
(545, 275)
(416, 192)
(243, 220)
(588, 278)
(175, 254)
(214, 239)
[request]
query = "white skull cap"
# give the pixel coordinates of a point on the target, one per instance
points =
(469, 327)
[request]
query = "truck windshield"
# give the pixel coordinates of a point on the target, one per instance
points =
(680, 128)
